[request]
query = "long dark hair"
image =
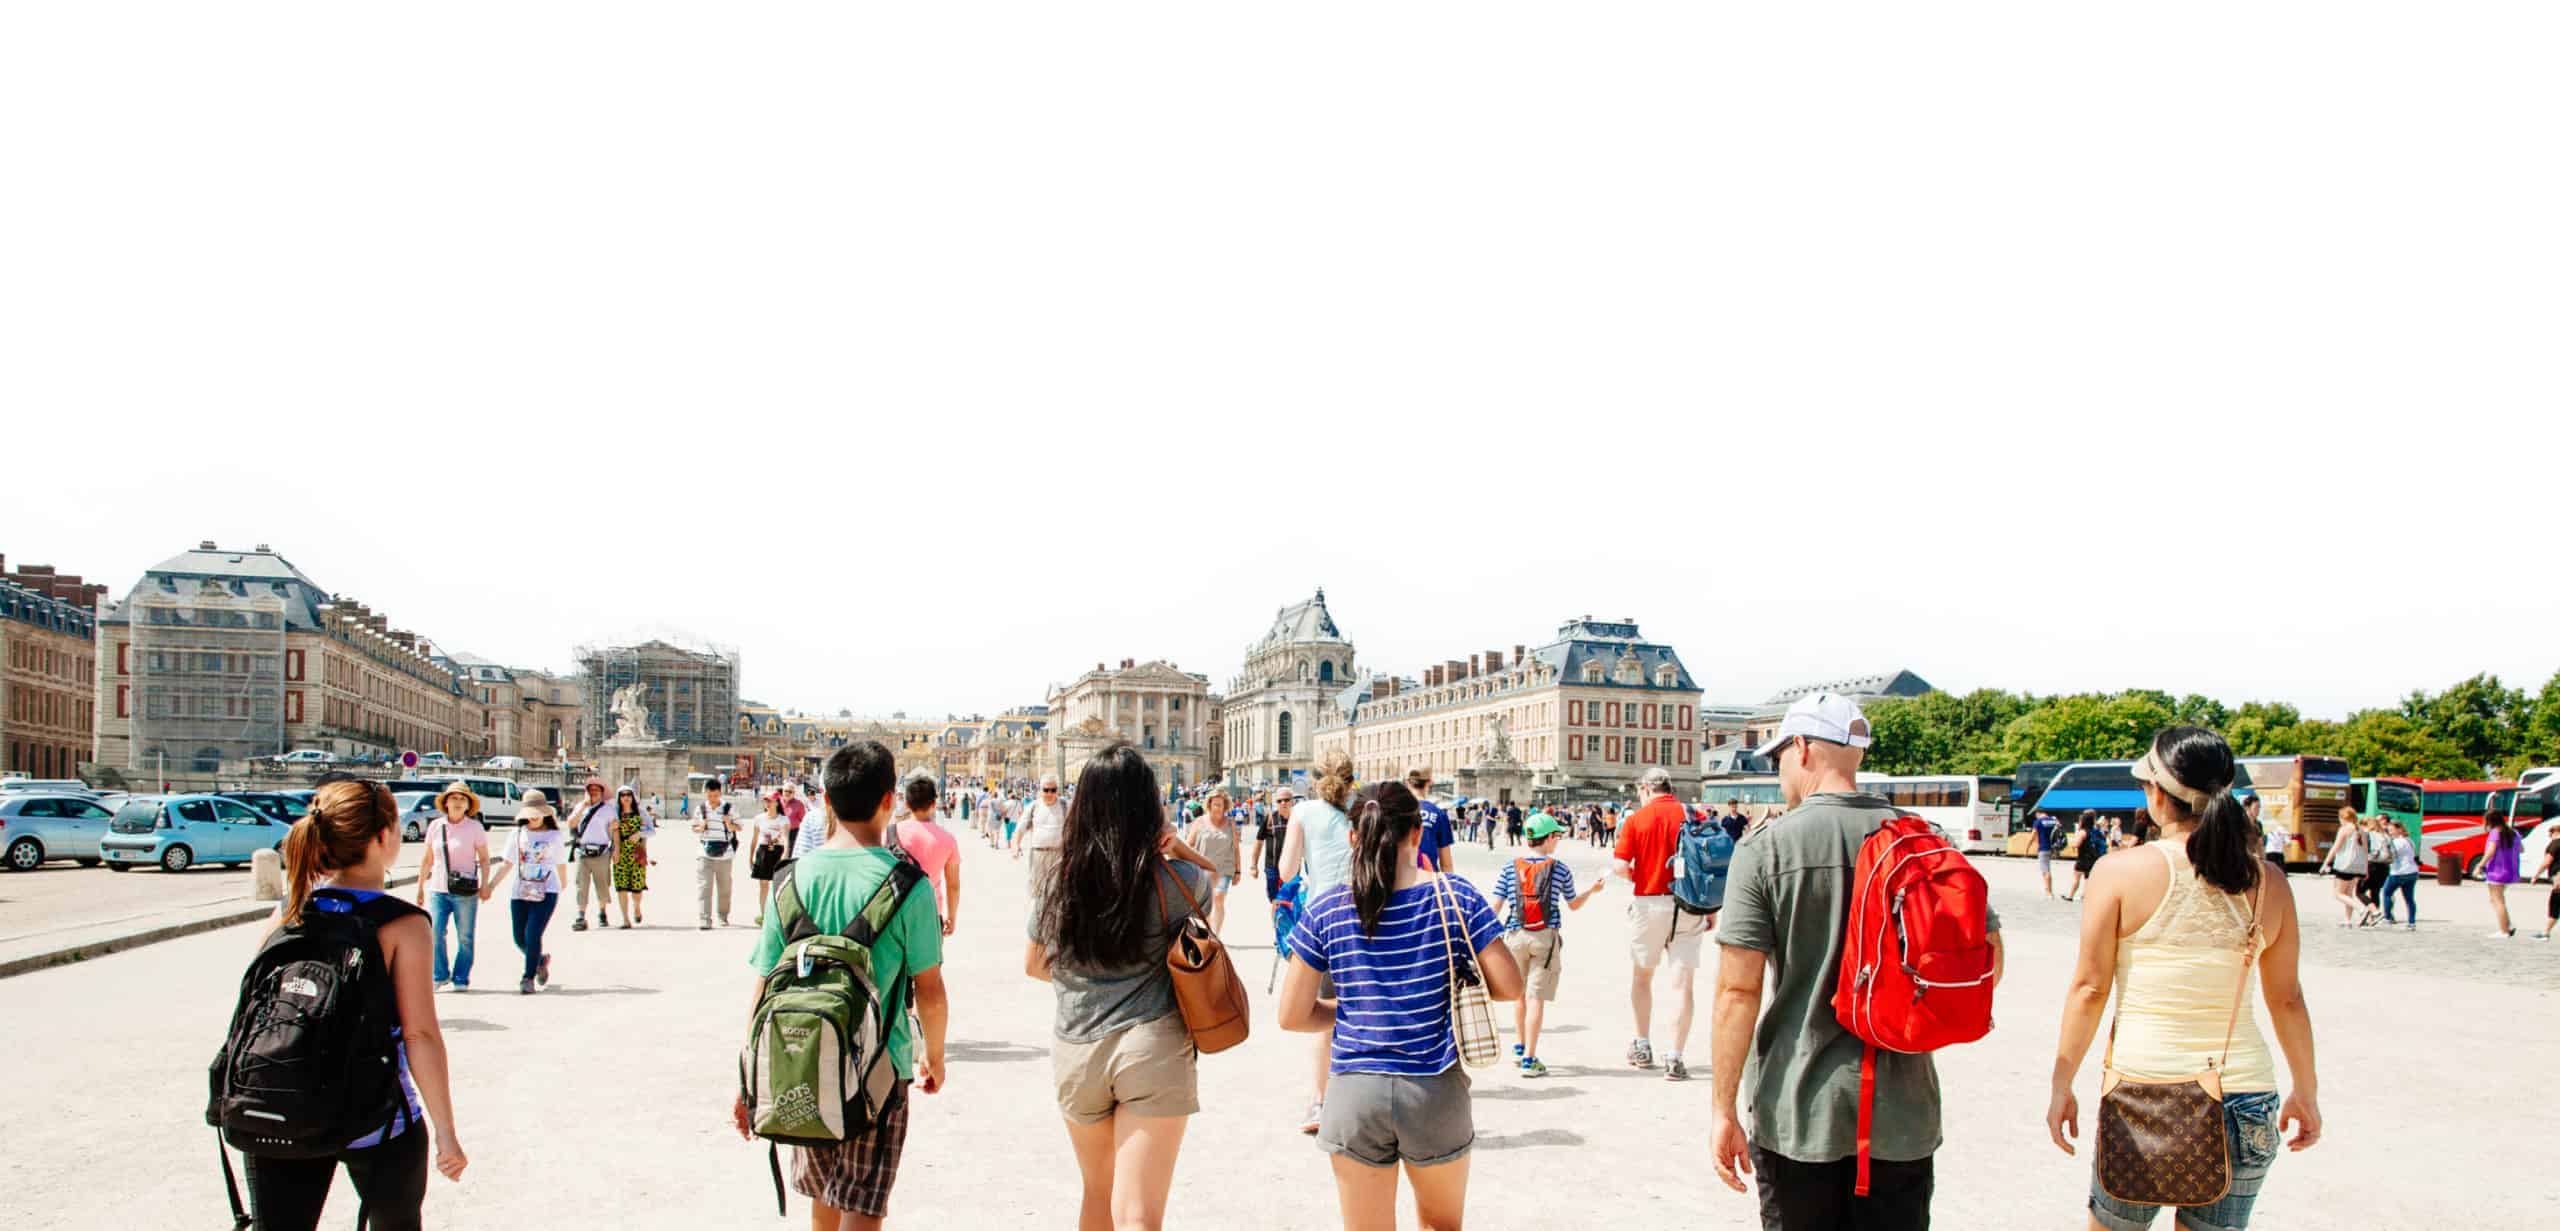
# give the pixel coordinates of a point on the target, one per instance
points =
(2225, 845)
(345, 818)
(1093, 911)
(1382, 817)
(2502, 832)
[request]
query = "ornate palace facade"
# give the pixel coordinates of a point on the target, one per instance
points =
(1268, 718)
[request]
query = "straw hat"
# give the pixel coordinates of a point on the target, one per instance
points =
(535, 801)
(463, 790)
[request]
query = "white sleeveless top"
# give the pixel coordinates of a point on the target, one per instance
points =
(2177, 975)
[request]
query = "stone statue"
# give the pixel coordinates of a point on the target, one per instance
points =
(1498, 738)
(631, 717)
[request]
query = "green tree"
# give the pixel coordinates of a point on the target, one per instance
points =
(2485, 719)
(2378, 743)
(2264, 729)
(2085, 727)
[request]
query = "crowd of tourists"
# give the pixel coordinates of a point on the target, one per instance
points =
(1392, 960)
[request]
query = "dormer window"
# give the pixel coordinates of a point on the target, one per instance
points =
(1592, 673)
(1666, 677)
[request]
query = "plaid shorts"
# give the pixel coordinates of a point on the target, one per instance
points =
(855, 1175)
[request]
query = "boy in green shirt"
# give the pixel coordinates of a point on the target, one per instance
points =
(850, 1181)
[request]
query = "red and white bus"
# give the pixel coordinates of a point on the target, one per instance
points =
(2453, 823)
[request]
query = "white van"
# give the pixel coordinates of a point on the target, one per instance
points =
(503, 763)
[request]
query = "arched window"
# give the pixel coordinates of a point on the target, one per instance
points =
(1287, 724)
(1324, 672)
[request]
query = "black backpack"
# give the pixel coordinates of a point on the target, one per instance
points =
(311, 1062)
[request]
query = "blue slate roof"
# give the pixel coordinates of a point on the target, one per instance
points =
(1585, 640)
(244, 573)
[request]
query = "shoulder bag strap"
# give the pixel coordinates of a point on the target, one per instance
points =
(2248, 961)
(1444, 899)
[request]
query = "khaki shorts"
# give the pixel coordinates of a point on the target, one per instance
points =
(1663, 933)
(1150, 1069)
(1541, 958)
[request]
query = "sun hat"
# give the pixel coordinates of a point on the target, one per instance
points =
(536, 801)
(1541, 826)
(463, 790)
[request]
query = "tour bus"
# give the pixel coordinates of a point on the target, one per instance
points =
(2027, 785)
(2454, 823)
(1972, 809)
(1757, 794)
(2397, 798)
(2303, 795)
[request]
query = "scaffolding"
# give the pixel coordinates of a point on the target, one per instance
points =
(208, 677)
(691, 694)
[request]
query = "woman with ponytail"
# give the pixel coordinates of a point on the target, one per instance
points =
(1387, 939)
(1319, 846)
(2179, 925)
(336, 859)
(2501, 865)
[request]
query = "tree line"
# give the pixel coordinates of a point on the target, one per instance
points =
(2476, 728)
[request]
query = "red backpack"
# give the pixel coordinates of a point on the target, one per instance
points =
(1916, 973)
(1533, 876)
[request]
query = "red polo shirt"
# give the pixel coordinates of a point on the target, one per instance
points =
(1647, 840)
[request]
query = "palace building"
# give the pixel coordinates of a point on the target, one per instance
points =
(1267, 721)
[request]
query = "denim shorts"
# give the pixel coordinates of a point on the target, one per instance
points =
(2250, 1121)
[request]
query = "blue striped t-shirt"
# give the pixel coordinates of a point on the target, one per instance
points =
(1392, 989)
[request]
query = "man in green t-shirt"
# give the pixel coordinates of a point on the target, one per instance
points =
(1784, 925)
(850, 1180)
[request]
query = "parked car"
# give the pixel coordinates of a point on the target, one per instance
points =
(307, 756)
(503, 763)
(35, 828)
(45, 786)
(177, 832)
(284, 806)
(434, 758)
(417, 811)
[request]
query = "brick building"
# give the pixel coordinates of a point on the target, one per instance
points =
(48, 661)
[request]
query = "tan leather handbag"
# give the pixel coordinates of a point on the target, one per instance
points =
(2165, 1142)
(1205, 984)
(1470, 1008)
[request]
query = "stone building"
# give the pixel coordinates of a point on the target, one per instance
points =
(691, 695)
(48, 671)
(1267, 721)
(1005, 748)
(1577, 718)
(528, 713)
(1729, 732)
(222, 656)
(1167, 712)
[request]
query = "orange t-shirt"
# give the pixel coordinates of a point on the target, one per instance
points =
(1647, 840)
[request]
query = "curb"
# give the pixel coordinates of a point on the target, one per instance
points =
(83, 951)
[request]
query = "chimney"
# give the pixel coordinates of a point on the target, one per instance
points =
(207, 545)
(1379, 689)
(1519, 653)
(1395, 686)
(1457, 671)
(1493, 661)
(1127, 663)
(1431, 676)
(265, 550)
(1475, 665)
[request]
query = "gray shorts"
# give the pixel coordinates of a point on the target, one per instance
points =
(2044, 862)
(1374, 1119)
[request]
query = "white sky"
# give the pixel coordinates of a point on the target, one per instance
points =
(931, 353)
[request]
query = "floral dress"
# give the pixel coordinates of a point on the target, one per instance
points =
(631, 859)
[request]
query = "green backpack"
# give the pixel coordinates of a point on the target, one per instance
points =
(815, 1070)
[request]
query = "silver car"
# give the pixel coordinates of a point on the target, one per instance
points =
(35, 828)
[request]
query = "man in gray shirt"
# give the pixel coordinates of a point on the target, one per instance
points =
(1783, 928)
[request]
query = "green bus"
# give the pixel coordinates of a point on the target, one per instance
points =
(2401, 799)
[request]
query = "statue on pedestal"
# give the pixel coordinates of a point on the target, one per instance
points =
(631, 717)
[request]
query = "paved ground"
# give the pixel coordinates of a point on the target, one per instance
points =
(59, 898)
(604, 1100)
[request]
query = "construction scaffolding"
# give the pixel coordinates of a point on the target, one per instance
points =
(691, 694)
(208, 676)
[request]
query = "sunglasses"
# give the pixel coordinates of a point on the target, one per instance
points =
(1048, 790)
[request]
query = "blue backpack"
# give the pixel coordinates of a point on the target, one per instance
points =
(1705, 855)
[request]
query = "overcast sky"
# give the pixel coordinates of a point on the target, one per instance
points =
(929, 354)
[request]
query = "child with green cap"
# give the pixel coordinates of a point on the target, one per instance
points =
(1534, 892)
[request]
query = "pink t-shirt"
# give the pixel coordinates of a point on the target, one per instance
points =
(933, 848)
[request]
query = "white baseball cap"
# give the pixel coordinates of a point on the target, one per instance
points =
(1824, 716)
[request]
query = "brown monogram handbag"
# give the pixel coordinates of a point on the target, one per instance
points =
(2165, 1142)
(1205, 985)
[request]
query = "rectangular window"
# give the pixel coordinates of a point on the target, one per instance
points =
(293, 664)
(1573, 713)
(1610, 749)
(1648, 752)
(124, 696)
(122, 664)
(1648, 715)
(1687, 719)
(1612, 711)
(1684, 752)
(293, 705)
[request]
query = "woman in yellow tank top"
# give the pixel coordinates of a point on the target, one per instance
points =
(2177, 926)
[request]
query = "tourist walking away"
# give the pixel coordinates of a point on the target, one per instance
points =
(2346, 865)
(1042, 823)
(1437, 836)
(591, 851)
(454, 878)
(849, 929)
(715, 829)
(1214, 836)
(2377, 862)
(1665, 934)
(2048, 840)
(1842, 1135)
(2093, 844)
(1317, 854)
(2403, 879)
(2277, 840)
(933, 846)
(1395, 940)
(2499, 864)
(630, 855)
(1535, 891)
(2179, 933)
(1125, 1069)
(769, 848)
(539, 853)
(339, 942)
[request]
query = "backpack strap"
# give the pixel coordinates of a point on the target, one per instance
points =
(231, 1185)
(796, 926)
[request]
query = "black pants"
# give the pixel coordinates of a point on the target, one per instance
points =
(1798, 1196)
(2369, 890)
(285, 1194)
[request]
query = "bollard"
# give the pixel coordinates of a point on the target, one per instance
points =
(2448, 870)
(266, 876)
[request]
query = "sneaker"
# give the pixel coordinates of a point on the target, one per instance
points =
(1518, 1052)
(1640, 1054)
(444, 985)
(2412, 925)
(542, 973)
(759, 919)
(524, 987)
(1533, 1067)
(1314, 1120)
(1675, 1070)
(460, 988)
(578, 924)
(706, 927)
